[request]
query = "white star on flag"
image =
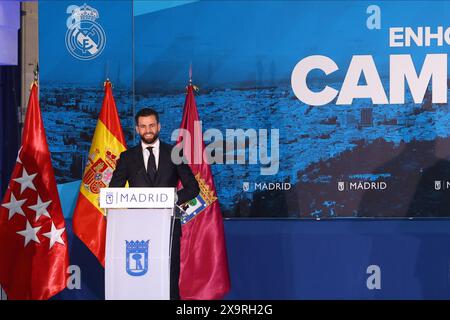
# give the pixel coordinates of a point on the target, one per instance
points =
(40, 208)
(55, 235)
(14, 206)
(18, 156)
(30, 233)
(26, 181)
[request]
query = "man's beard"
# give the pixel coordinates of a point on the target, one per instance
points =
(150, 140)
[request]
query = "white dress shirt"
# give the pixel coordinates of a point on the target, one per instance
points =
(146, 153)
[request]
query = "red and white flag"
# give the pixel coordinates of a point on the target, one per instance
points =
(33, 244)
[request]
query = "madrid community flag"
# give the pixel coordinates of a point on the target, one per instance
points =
(89, 221)
(204, 265)
(33, 243)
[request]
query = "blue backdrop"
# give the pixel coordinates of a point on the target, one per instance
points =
(334, 159)
(342, 258)
(307, 259)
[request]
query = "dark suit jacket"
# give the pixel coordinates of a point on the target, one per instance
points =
(130, 167)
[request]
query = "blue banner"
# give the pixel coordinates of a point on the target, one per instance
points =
(309, 109)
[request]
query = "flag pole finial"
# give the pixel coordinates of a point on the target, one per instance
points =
(36, 72)
(36, 75)
(106, 82)
(190, 79)
(190, 73)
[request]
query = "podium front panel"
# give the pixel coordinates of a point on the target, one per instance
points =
(137, 262)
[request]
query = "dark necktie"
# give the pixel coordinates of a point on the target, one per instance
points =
(151, 165)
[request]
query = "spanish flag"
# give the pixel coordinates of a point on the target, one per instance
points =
(89, 221)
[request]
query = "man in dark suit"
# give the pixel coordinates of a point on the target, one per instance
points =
(149, 164)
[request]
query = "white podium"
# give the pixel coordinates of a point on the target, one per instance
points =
(138, 242)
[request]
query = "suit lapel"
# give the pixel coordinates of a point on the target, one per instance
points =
(164, 157)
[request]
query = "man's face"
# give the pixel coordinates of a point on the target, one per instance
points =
(148, 129)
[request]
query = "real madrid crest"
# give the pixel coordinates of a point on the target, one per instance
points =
(85, 38)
